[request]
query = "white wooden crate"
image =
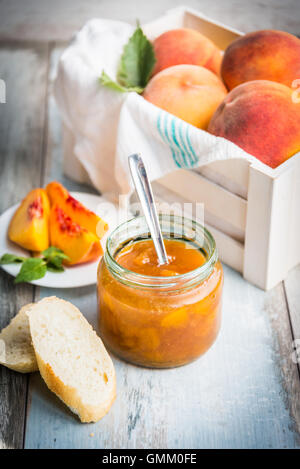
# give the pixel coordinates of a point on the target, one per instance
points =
(252, 210)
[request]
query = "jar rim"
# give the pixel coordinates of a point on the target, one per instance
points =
(200, 273)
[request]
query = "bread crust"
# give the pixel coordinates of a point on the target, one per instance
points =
(17, 334)
(68, 394)
(70, 397)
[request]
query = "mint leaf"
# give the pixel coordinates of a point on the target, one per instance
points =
(105, 80)
(54, 258)
(11, 258)
(54, 252)
(50, 251)
(137, 61)
(55, 268)
(32, 268)
(56, 261)
(136, 65)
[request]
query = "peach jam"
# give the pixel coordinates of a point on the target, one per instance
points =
(154, 315)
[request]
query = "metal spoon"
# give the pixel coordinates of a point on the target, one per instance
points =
(144, 191)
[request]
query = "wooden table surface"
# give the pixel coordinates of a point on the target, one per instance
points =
(245, 392)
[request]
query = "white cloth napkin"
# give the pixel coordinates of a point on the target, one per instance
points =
(106, 126)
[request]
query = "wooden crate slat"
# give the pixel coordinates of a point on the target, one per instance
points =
(271, 242)
(233, 175)
(231, 252)
(217, 200)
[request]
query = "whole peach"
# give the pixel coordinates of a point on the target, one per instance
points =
(186, 46)
(189, 92)
(262, 118)
(262, 55)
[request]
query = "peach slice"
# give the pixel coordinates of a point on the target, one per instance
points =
(29, 225)
(59, 195)
(79, 244)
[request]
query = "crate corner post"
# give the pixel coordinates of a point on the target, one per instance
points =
(271, 219)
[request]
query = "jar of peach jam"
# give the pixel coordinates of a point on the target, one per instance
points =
(160, 316)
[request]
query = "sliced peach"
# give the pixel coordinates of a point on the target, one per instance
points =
(29, 225)
(59, 195)
(79, 244)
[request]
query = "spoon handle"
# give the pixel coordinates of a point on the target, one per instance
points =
(144, 191)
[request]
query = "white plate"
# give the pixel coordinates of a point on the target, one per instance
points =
(77, 276)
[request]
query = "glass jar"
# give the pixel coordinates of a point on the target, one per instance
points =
(160, 322)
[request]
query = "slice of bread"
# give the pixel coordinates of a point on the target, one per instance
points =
(16, 350)
(72, 359)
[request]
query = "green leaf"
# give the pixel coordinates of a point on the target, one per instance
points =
(32, 268)
(54, 252)
(137, 61)
(105, 80)
(11, 258)
(55, 257)
(55, 268)
(56, 261)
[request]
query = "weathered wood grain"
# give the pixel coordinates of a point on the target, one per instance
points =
(53, 170)
(292, 288)
(44, 20)
(53, 163)
(236, 396)
(278, 310)
(21, 141)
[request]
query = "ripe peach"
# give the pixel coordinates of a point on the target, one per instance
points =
(260, 117)
(59, 195)
(186, 46)
(262, 55)
(190, 92)
(77, 242)
(29, 225)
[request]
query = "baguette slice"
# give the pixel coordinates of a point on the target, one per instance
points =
(72, 359)
(16, 350)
